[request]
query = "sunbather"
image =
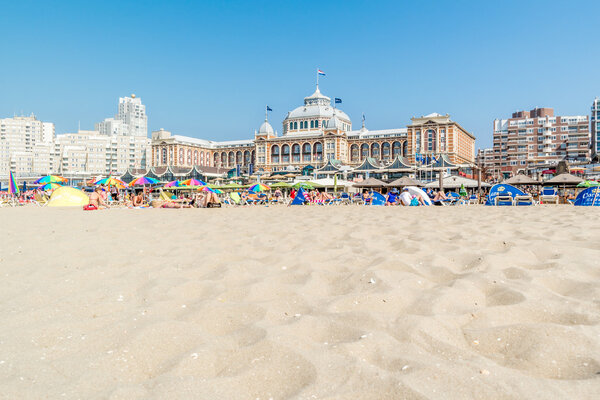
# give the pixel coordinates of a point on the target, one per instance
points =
(97, 200)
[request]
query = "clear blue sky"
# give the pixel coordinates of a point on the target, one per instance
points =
(207, 68)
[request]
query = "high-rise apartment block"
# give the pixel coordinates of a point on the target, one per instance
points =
(26, 145)
(131, 120)
(531, 141)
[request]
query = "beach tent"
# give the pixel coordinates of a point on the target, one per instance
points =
(378, 199)
(299, 199)
(415, 191)
(588, 197)
(564, 179)
(405, 181)
(502, 190)
(66, 196)
(521, 179)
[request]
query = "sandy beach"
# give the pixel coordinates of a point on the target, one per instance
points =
(276, 303)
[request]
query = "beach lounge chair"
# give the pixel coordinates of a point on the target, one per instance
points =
(345, 198)
(235, 198)
(523, 200)
(549, 195)
(502, 200)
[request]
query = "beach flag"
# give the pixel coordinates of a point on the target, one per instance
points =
(269, 108)
(338, 100)
(12, 184)
(320, 72)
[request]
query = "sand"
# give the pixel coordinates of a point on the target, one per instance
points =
(331, 303)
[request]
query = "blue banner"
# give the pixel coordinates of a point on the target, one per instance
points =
(502, 190)
(299, 199)
(589, 197)
(378, 199)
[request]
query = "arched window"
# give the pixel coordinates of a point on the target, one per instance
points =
(207, 158)
(296, 152)
(252, 157)
(318, 151)
(238, 158)
(246, 157)
(180, 156)
(285, 153)
(217, 159)
(375, 150)
(312, 124)
(231, 162)
(405, 148)
(291, 125)
(275, 154)
(364, 151)
(306, 147)
(196, 157)
(385, 151)
(224, 159)
(316, 123)
(354, 152)
(189, 157)
(164, 156)
(296, 125)
(396, 149)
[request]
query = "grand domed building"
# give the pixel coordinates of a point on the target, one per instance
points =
(315, 134)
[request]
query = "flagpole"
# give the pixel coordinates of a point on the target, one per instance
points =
(317, 77)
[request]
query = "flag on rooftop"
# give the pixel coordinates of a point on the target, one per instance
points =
(338, 100)
(269, 108)
(320, 72)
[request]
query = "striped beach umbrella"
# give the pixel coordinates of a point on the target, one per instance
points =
(12, 184)
(173, 184)
(110, 181)
(49, 186)
(142, 181)
(258, 187)
(208, 189)
(193, 182)
(51, 179)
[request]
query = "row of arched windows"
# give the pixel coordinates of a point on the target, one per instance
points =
(306, 152)
(314, 124)
(184, 157)
(233, 158)
(384, 151)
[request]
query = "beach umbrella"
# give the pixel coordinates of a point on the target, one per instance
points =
(143, 181)
(521, 179)
(209, 189)
(281, 185)
(173, 184)
(303, 185)
(51, 179)
(259, 187)
(193, 182)
(405, 181)
(12, 184)
(110, 181)
(588, 184)
(49, 186)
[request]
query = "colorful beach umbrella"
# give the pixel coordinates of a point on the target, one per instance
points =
(208, 189)
(304, 185)
(12, 184)
(110, 181)
(588, 184)
(49, 186)
(173, 184)
(142, 181)
(193, 182)
(51, 179)
(259, 187)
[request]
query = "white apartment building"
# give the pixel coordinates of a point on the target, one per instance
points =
(131, 119)
(89, 152)
(26, 146)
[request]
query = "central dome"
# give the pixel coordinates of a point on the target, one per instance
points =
(317, 105)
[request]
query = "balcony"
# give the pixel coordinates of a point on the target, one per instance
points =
(547, 141)
(547, 149)
(547, 132)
